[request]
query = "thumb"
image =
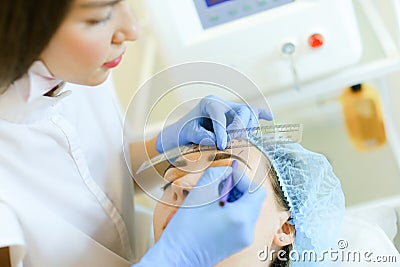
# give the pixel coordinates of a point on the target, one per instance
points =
(206, 190)
(214, 175)
(246, 186)
(250, 202)
(265, 115)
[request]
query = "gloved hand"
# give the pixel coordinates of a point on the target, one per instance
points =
(208, 122)
(205, 235)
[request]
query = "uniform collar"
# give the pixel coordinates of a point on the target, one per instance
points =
(25, 100)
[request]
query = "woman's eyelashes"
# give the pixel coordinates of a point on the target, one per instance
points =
(185, 191)
(100, 21)
(164, 187)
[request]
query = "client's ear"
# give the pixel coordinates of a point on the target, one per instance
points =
(286, 232)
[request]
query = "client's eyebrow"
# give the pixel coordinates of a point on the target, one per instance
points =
(220, 156)
(216, 157)
(176, 164)
(99, 3)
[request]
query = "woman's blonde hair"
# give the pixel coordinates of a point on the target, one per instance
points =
(281, 201)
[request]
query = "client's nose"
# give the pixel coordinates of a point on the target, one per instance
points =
(180, 190)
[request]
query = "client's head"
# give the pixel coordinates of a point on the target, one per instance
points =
(295, 180)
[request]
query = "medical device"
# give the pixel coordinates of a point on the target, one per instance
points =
(279, 44)
(265, 135)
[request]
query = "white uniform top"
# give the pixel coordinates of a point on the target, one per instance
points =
(66, 195)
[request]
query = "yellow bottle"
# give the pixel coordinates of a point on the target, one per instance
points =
(363, 116)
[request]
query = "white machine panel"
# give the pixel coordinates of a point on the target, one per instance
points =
(249, 34)
(211, 15)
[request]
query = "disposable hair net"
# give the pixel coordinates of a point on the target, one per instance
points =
(314, 196)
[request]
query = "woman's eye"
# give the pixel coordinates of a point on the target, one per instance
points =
(163, 188)
(99, 21)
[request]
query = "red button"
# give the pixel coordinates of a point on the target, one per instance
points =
(316, 41)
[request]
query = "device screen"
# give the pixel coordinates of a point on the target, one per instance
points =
(215, 2)
(216, 12)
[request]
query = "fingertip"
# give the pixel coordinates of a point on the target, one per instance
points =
(242, 183)
(266, 115)
(222, 144)
(245, 184)
(214, 174)
(222, 136)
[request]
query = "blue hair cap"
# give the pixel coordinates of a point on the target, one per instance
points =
(314, 195)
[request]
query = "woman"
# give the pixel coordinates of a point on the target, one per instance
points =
(302, 210)
(65, 192)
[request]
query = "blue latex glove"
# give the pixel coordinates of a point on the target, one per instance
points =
(208, 122)
(205, 235)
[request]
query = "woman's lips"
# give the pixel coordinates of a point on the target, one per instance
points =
(113, 63)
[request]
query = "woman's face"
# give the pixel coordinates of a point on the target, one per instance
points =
(254, 164)
(90, 41)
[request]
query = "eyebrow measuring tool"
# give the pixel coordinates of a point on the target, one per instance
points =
(265, 135)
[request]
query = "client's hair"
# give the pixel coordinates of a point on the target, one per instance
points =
(281, 201)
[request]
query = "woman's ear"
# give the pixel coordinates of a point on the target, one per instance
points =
(285, 234)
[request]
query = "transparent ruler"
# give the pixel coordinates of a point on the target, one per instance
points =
(264, 135)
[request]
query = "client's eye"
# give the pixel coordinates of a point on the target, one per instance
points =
(100, 20)
(164, 187)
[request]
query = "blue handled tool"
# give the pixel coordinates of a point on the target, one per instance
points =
(227, 186)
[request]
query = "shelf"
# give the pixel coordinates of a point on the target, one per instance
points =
(332, 85)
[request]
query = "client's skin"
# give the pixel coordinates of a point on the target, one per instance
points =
(272, 228)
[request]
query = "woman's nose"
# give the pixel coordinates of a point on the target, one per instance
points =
(180, 190)
(127, 27)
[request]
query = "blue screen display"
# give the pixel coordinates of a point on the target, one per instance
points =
(216, 12)
(215, 2)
